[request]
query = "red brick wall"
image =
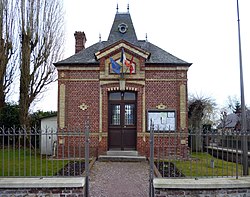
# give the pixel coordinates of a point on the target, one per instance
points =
(166, 92)
(161, 86)
(164, 87)
(80, 88)
(80, 91)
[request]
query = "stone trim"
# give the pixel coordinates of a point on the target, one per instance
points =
(100, 118)
(183, 106)
(62, 134)
(95, 68)
(144, 114)
(62, 106)
(86, 80)
(22, 182)
(203, 183)
(182, 134)
(165, 79)
(140, 52)
(166, 68)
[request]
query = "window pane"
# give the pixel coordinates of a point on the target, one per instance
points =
(115, 96)
(129, 114)
(129, 96)
(115, 116)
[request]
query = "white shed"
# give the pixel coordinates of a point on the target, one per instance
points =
(48, 138)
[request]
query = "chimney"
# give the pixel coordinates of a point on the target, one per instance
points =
(80, 41)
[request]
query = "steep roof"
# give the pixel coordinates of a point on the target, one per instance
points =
(233, 119)
(123, 29)
(129, 30)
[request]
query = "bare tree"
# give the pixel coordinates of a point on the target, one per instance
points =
(200, 111)
(224, 120)
(41, 30)
(234, 104)
(7, 47)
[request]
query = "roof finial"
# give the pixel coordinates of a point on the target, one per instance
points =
(128, 8)
(146, 37)
(117, 8)
(100, 37)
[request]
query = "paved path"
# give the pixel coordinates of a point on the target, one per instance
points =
(119, 179)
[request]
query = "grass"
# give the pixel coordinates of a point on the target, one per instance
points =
(200, 166)
(27, 163)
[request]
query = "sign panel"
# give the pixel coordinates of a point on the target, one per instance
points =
(162, 120)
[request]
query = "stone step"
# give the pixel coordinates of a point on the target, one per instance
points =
(121, 158)
(122, 153)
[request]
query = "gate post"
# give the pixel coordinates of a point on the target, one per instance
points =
(86, 158)
(151, 171)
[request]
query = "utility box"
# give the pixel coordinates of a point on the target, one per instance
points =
(48, 135)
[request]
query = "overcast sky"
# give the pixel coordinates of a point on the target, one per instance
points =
(202, 32)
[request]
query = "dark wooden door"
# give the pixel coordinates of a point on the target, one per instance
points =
(122, 121)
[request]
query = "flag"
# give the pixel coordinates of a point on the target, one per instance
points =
(115, 66)
(124, 61)
(123, 57)
(131, 68)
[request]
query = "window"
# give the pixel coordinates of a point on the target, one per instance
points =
(115, 96)
(126, 96)
(129, 118)
(164, 121)
(116, 112)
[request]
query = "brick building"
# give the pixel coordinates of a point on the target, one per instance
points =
(121, 84)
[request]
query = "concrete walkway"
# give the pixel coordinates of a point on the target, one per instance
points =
(119, 179)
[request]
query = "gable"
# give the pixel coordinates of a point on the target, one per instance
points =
(134, 55)
(118, 46)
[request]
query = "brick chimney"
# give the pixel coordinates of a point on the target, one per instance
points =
(80, 41)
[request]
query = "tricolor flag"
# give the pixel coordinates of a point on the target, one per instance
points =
(131, 68)
(123, 57)
(124, 61)
(115, 66)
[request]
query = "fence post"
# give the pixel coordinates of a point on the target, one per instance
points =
(87, 158)
(151, 173)
(245, 153)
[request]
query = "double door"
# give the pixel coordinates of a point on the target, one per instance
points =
(122, 121)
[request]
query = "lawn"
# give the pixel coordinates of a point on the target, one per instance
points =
(199, 165)
(28, 163)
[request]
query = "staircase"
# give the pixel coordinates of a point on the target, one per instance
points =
(128, 156)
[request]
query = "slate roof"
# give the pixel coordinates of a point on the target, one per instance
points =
(232, 120)
(129, 35)
(157, 55)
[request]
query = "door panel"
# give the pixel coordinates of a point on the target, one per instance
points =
(129, 139)
(115, 126)
(122, 121)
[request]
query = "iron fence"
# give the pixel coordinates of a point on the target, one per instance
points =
(197, 154)
(44, 153)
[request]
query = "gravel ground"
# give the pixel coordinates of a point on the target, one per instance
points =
(119, 179)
